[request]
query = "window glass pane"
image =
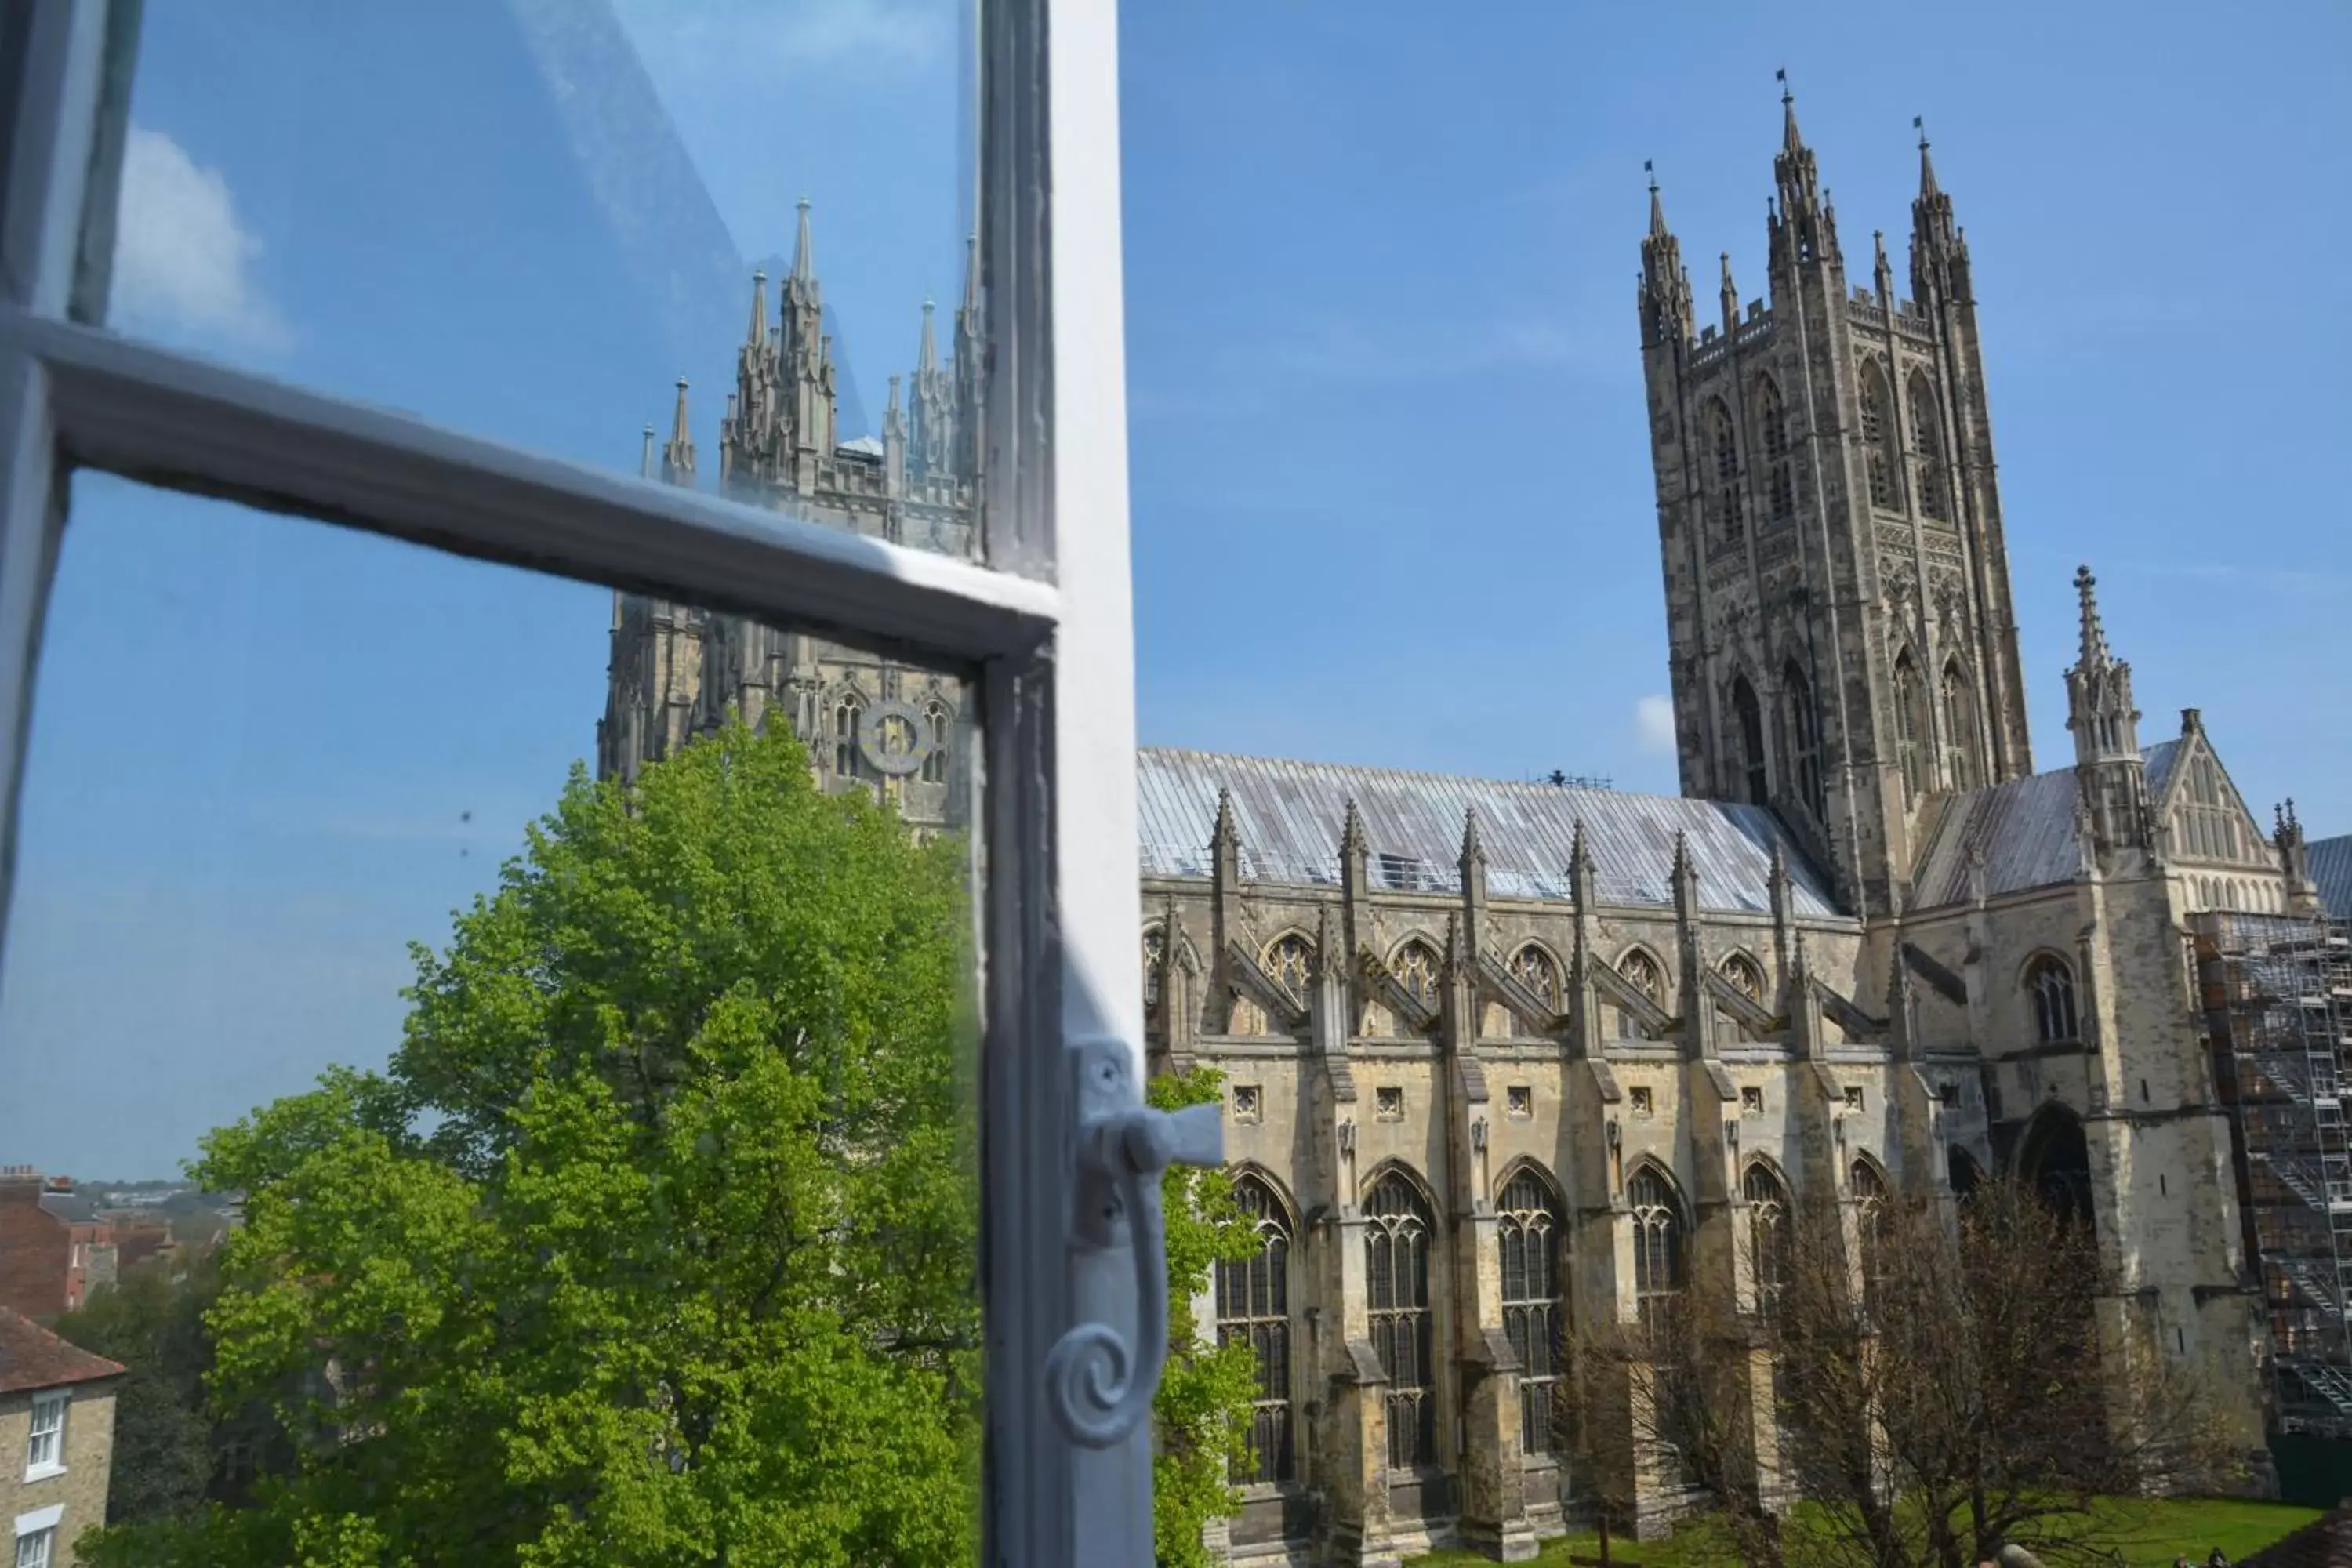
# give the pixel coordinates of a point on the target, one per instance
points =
(530, 221)
(574, 1050)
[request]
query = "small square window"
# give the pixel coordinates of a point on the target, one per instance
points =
(1249, 1104)
(1640, 1094)
(1854, 1098)
(1388, 1102)
(1519, 1101)
(1751, 1101)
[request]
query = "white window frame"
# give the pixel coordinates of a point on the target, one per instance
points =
(38, 1469)
(40, 1521)
(1048, 623)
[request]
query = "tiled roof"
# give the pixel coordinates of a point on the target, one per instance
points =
(2158, 760)
(2024, 829)
(1289, 816)
(32, 1357)
(2331, 867)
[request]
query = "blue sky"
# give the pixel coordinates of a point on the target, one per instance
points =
(1391, 492)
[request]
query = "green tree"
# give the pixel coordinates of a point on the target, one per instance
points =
(1202, 1409)
(656, 1240)
(153, 1325)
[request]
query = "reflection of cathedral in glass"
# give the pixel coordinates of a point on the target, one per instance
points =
(869, 723)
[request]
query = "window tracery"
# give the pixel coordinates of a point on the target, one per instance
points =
(1253, 1307)
(939, 725)
(1749, 981)
(1769, 1242)
(1397, 1243)
(1871, 1223)
(1531, 1231)
(1749, 715)
(1289, 962)
(1927, 447)
(1724, 444)
(1960, 726)
(1658, 1228)
(849, 730)
(1772, 440)
(1155, 949)
(1532, 967)
(1417, 970)
(2050, 987)
(1804, 739)
(1877, 437)
(1642, 971)
(1910, 725)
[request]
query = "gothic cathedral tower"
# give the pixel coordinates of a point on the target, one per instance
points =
(1842, 643)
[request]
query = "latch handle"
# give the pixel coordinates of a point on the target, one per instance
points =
(1100, 1383)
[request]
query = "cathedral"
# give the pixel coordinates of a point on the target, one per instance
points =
(1498, 1057)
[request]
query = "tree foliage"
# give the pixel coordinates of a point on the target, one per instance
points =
(655, 1241)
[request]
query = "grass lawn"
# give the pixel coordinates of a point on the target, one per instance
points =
(2160, 1530)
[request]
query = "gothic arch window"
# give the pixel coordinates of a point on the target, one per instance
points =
(1537, 970)
(1804, 739)
(1416, 968)
(1638, 967)
(1910, 725)
(1658, 1232)
(1871, 1221)
(1927, 447)
(1289, 961)
(1253, 1307)
(1155, 949)
(1771, 1245)
(1750, 716)
(938, 726)
(1772, 441)
(2049, 987)
(1723, 443)
(1748, 980)
(1959, 725)
(1878, 436)
(1397, 1244)
(848, 729)
(1531, 1231)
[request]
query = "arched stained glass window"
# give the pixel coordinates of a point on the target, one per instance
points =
(1290, 962)
(1878, 436)
(1749, 981)
(1397, 1244)
(2050, 987)
(1253, 1306)
(940, 726)
(1960, 726)
(1772, 440)
(1870, 1223)
(1730, 519)
(1910, 725)
(1804, 738)
(1771, 1245)
(1658, 1230)
(1531, 1230)
(1534, 968)
(1928, 450)
(1640, 968)
(848, 729)
(1749, 715)
(1417, 970)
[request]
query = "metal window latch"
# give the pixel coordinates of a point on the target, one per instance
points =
(1100, 1383)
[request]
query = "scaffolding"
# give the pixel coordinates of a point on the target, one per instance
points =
(2277, 995)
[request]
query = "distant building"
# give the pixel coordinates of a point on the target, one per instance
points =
(56, 1410)
(54, 1247)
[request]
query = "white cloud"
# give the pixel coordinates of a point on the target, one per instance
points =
(1654, 723)
(183, 260)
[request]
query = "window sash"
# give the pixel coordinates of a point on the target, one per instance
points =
(45, 1446)
(1048, 621)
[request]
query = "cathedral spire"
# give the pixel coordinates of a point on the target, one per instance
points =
(757, 334)
(2094, 651)
(1938, 258)
(1804, 230)
(1792, 140)
(678, 458)
(1473, 851)
(1928, 189)
(803, 248)
(645, 455)
(927, 353)
(1665, 293)
(1730, 298)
